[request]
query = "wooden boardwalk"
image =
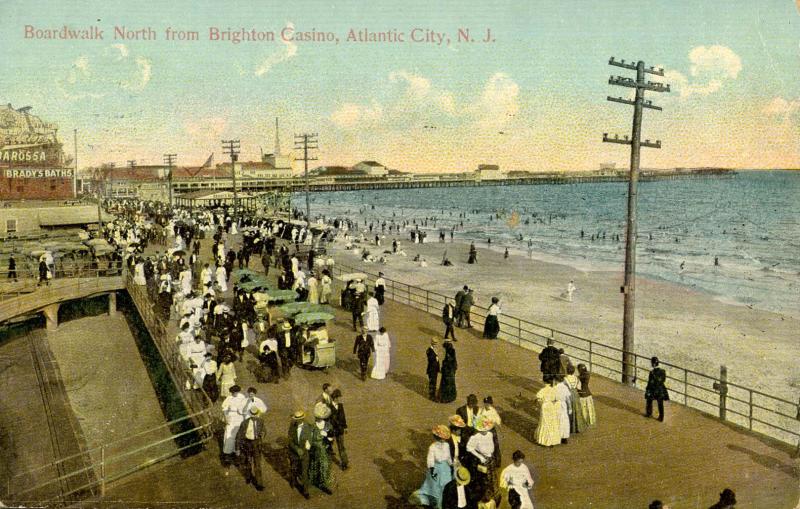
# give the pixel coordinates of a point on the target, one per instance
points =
(625, 462)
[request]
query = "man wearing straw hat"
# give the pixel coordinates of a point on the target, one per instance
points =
(248, 446)
(455, 494)
(286, 347)
(300, 436)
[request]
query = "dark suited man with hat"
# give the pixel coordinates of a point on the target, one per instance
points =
(433, 368)
(656, 390)
(248, 446)
(300, 436)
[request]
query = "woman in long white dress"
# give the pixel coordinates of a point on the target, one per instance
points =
(373, 317)
(564, 396)
(547, 431)
(226, 375)
(222, 278)
(325, 288)
(313, 289)
(517, 478)
(186, 281)
(138, 277)
(382, 348)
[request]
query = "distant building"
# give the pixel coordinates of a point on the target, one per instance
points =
(32, 161)
(489, 172)
(608, 169)
(281, 164)
(372, 168)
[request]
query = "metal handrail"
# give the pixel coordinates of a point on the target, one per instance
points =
(720, 388)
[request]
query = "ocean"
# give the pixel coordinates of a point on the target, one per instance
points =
(750, 223)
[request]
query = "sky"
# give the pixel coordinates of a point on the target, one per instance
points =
(532, 98)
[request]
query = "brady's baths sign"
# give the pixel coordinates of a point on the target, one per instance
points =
(38, 173)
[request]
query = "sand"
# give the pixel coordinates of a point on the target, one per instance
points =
(679, 325)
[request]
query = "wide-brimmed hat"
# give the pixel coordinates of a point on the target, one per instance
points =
(299, 415)
(287, 325)
(441, 431)
(457, 421)
(322, 411)
(462, 476)
(483, 423)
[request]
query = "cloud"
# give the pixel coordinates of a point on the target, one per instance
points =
(714, 60)
(288, 51)
(350, 115)
(709, 68)
(780, 107)
(499, 101)
(97, 76)
(420, 102)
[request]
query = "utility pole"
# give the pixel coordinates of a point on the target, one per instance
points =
(629, 286)
(132, 166)
(231, 148)
(75, 164)
(169, 160)
(110, 178)
(305, 142)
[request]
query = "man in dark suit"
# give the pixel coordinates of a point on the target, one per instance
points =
(300, 435)
(433, 368)
(550, 359)
(449, 319)
(469, 413)
(458, 299)
(464, 309)
(455, 494)
(286, 347)
(363, 348)
(338, 422)
(248, 445)
(656, 390)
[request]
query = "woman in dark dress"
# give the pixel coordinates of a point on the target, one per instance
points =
(447, 388)
(492, 325)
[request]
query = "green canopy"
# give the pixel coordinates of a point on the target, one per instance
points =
(255, 284)
(309, 318)
(294, 308)
(284, 295)
(241, 273)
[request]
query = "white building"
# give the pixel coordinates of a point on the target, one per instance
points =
(489, 172)
(372, 168)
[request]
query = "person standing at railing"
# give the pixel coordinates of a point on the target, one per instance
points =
(12, 268)
(465, 308)
(656, 390)
(585, 395)
(449, 318)
(492, 325)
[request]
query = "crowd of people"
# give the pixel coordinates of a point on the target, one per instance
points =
(217, 326)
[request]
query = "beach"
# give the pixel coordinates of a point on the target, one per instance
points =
(680, 325)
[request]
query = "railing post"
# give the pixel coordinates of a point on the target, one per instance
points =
(427, 302)
(590, 355)
(750, 415)
(519, 332)
(722, 388)
(685, 387)
(103, 471)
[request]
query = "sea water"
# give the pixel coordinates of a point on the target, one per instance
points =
(749, 224)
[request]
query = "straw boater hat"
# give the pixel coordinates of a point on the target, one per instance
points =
(286, 325)
(484, 424)
(457, 421)
(322, 411)
(462, 476)
(441, 431)
(254, 410)
(434, 341)
(299, 415)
